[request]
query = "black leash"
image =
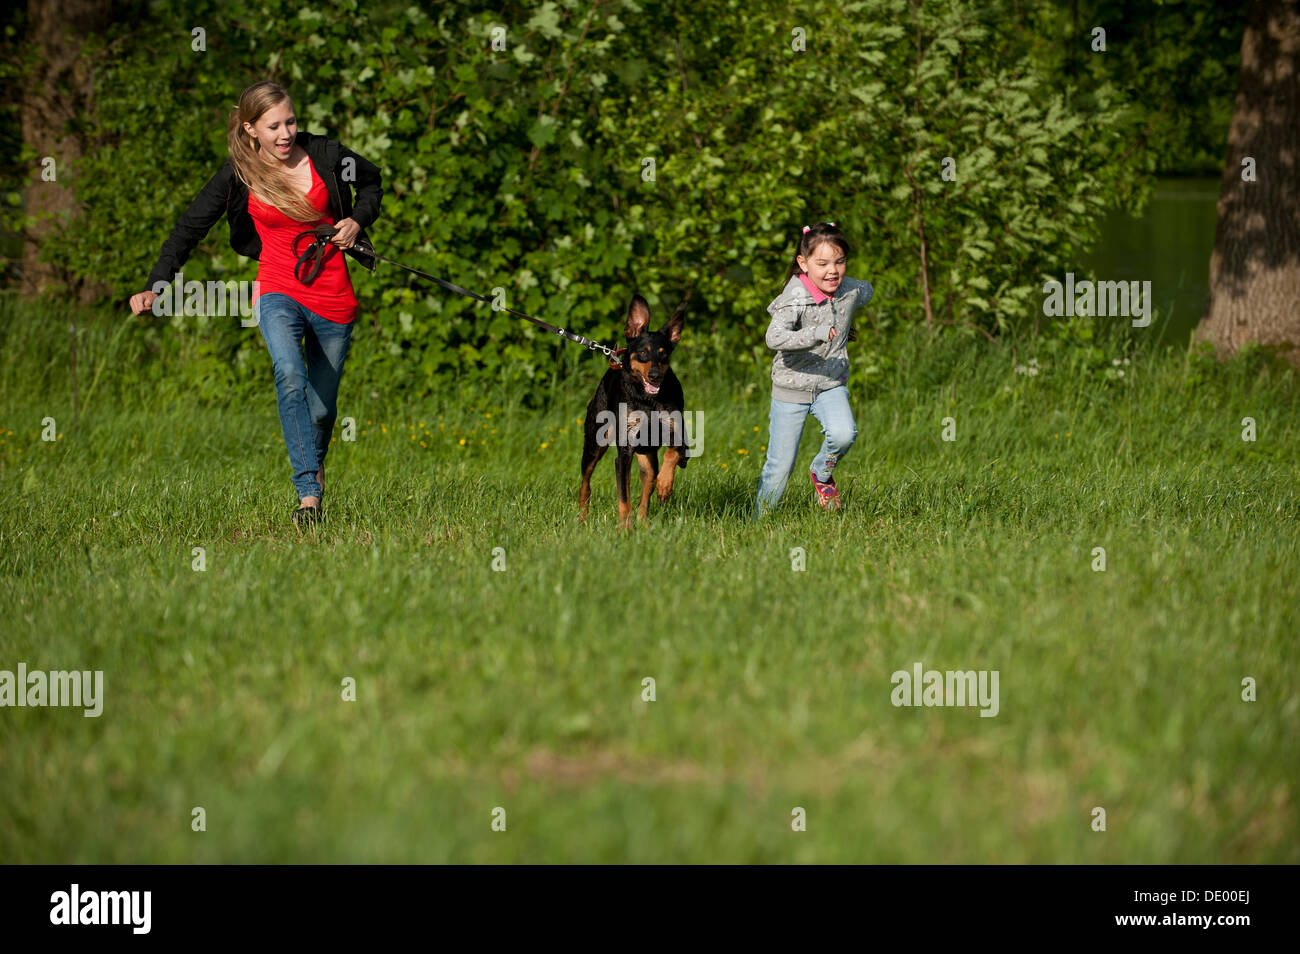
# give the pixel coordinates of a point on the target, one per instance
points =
(311, 261)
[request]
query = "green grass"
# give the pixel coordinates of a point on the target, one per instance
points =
(522, 688)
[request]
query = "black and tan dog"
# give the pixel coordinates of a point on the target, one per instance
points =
(638, 408)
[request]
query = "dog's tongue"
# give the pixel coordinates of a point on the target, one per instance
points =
(651, 388)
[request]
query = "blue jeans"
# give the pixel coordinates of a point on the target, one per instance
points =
(831, 408)
(306, 391)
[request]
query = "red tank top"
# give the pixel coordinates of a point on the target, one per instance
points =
(330, 295)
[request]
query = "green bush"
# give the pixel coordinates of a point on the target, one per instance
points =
(611, 150)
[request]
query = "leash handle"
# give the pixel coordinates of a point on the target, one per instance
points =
(312, 260)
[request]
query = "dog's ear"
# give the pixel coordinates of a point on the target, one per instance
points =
(675, 323)
(638, 316)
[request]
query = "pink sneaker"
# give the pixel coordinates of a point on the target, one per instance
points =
(828, 495)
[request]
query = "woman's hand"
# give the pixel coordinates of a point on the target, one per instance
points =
(347, 232)
(142, 302)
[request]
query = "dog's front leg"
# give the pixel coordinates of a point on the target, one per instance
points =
(664, 483)
(622, 470)
(648, 465)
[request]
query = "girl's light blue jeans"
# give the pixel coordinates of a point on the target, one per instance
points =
(306, 388)
(831, 408)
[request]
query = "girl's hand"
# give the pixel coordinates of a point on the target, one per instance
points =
(346, 234)
(142, 302)
(832, 337)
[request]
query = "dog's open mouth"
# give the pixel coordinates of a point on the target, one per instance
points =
(649, 388)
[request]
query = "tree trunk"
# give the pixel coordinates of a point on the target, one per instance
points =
(57, 91)
(1255, 267)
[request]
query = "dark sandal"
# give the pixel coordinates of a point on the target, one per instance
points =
(307, 516)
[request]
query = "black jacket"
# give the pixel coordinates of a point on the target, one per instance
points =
(225, 193)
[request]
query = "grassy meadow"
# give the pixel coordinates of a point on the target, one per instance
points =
(521, 688)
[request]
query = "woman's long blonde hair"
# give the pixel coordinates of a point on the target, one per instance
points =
(264, 179)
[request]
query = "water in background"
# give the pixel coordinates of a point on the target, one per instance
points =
(1170, 247)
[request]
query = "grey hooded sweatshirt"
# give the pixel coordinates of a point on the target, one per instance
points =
(807, 360)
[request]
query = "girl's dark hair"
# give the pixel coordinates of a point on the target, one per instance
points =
(808, 242)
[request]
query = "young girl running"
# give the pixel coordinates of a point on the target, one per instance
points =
(277, 183)
(809, 331)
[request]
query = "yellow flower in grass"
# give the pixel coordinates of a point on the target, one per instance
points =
(462, 442)
(423, 444)
(742, 451)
